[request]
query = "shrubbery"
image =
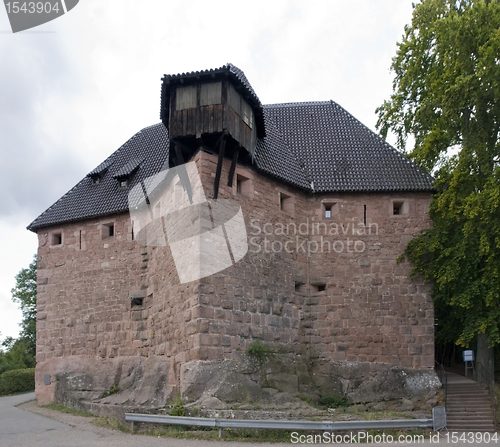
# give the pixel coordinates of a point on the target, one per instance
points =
(17, 380)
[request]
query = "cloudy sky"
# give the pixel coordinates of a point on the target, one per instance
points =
(74, 89)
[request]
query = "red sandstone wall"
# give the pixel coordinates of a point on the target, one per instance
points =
(369, 311)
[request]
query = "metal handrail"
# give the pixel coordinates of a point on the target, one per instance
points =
(443, 378)
(490, 380)
(277, 424)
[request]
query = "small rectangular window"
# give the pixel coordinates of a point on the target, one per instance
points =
(108, 230)
(286, 203)
(399, 207)
(314, 288)
(123, 183)
(234, 99)
(186, 97)
(329, 209)
(56, 238)
(246, 114)
(210, 93)
(244, 186)
(136, 301)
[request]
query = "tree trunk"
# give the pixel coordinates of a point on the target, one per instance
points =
(485, 357)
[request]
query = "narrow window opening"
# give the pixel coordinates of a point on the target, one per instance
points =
(364, 217)
(315, 288)
(108, 230)
(298, 285)
(132, 230)
(244, 186)
(399, 207)
(328, 211)
(80, 240)
(57, 239)
(186, 97)
(136, 301)
(286, 203)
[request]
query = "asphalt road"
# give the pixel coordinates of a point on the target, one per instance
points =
(19, 428)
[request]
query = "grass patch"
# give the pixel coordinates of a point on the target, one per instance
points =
(68, 410)
(114, 389)
(209, 433)
(260, 350)
(334, 401)
(111, 423)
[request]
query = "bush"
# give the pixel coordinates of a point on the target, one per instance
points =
(178, 407)
(333, 401)
(17, 380)
(260, 350)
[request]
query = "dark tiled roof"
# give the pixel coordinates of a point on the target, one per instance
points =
(101, 169)
(128, 168)
(338, 153)
(87, 200)
(316, 146)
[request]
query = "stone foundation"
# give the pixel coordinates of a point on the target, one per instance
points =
(113, 387)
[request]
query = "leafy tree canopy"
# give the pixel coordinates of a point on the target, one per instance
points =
(24, 293)
(446, 100)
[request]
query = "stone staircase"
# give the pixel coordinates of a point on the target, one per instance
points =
(469, 405)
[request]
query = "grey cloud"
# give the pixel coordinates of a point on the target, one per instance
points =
(36, 169)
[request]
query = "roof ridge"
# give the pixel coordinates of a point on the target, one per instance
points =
(290, 104)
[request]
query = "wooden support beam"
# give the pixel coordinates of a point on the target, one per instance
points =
(183, 176)
(178, 153)
(233, 165)
(219, 166)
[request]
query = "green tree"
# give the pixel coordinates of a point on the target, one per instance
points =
(24, 293)
(17, 356)
(446, 102)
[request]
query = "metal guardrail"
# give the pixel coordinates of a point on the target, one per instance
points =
(277, 424)
(443, 378)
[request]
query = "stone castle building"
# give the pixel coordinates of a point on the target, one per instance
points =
(328, 208)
